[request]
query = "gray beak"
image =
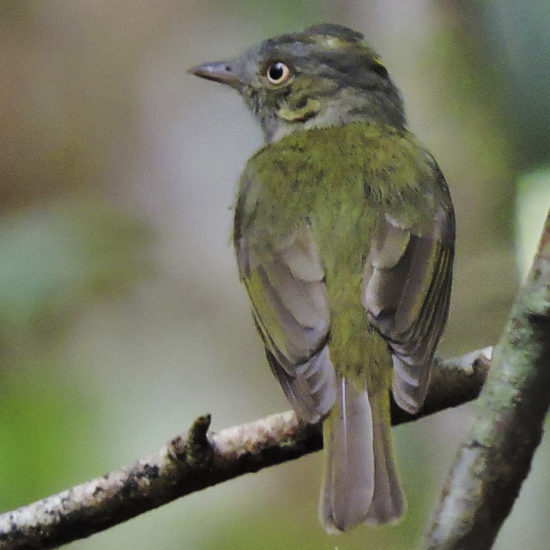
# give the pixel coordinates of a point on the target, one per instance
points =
(219, 71)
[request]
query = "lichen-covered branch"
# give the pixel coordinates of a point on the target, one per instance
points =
(491, 466)
(201, 460)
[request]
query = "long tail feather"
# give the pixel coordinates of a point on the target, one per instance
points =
(388, 502)
(360, 482)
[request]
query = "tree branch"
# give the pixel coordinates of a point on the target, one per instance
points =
(201, 460)
(496, 458)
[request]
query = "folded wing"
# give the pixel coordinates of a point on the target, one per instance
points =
(290, 305)
(406, 290)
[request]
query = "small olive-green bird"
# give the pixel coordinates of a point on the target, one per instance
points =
(344, 233)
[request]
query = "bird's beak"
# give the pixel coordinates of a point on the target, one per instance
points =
(219, 71)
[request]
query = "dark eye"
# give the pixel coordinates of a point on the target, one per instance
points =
(277, 73)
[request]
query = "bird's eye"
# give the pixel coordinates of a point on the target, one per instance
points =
(277, 73)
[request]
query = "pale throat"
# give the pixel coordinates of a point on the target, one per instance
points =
(345, 107)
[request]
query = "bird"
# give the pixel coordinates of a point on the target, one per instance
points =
(344, 234)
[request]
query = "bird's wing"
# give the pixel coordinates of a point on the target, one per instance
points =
(289, 300)
(406, 290)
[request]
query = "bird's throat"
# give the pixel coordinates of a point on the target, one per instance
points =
(310, 109)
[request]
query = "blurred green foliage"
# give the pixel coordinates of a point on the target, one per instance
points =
(532, 203)
(56, 260)
(58, 256)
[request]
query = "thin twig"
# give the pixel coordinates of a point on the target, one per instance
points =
(201, 460)
(496, 458)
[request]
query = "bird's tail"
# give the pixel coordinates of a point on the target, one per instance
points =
(360, 482)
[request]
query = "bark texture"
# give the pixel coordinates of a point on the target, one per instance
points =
(496, 458)
(200, 460)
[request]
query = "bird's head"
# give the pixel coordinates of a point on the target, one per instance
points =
(323, 76)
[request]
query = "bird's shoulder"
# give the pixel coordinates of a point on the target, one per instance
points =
(377, 151)
(384, 165)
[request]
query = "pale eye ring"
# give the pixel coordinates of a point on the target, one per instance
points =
(277, 73)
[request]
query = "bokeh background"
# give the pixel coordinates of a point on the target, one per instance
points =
(121, 315)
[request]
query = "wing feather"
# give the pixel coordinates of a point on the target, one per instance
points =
(290, 305)
(406, 290)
